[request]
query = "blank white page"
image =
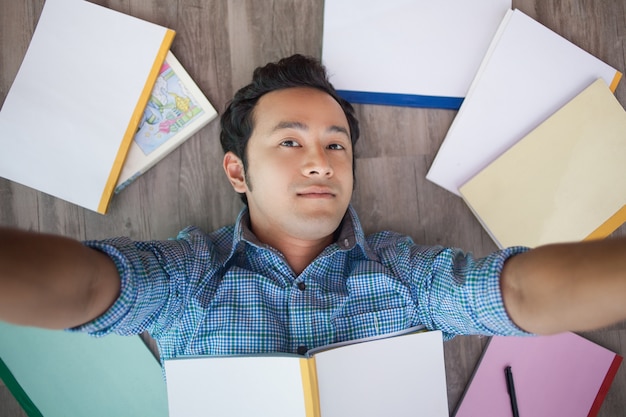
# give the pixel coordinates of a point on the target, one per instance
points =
(260, 386)
(67, 112)
(419, 47)
(399, 376)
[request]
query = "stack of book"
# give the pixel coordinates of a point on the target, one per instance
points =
(534, 149)
(507, 74)
(78, 114)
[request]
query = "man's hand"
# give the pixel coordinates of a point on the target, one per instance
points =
(53, 282)
(567, 287)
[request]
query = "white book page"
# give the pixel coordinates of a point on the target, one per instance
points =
(233, 386)
(419, 47)
(399, 376)
(66, 114)
(531, 73)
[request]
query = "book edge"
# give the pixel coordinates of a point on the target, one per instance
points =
(609, 226)
(201, 120)
(109, 187)
(459, 404)
(18, 392)
(606, 384)
(310, 386)
(404, 100)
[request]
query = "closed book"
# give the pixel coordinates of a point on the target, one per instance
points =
(75, 104)
(417, 53)
(558, 375)
(563, 182)
(528, 73)
(54, 373)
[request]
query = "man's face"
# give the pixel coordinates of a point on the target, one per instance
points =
(299, 174)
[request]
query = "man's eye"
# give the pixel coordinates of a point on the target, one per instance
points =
(289, 143)
(335, 147)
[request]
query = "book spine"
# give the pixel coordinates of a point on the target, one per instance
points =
(310, 387)
(168, 38)
(609, 226)
(404, 100)
(18, 392)
(604, 388)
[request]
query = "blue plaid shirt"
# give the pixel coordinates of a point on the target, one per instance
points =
(227, 293)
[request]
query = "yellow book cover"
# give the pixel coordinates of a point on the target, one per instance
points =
(564, 181)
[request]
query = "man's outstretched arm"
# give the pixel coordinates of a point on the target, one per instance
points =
(567, 287)
(52, 281)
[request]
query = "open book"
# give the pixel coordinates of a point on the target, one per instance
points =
(399, 375)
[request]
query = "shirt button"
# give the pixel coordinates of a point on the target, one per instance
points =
(301, 286)
(302, 350)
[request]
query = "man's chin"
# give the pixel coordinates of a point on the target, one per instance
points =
(319, 223)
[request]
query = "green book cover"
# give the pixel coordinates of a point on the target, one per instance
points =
(55, 373)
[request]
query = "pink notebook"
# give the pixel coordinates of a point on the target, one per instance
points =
(559, 375)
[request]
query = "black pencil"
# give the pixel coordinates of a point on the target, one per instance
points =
(510, 386)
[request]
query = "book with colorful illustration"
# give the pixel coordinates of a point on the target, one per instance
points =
(72, 111)
(176, 110)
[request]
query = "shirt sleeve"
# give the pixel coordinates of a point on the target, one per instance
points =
(459, 294)
(152, 286)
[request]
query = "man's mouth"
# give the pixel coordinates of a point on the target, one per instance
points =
(316, 192)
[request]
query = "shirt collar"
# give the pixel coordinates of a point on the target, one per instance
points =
(349, 234)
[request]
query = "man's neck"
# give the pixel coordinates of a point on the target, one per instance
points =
(297, 252)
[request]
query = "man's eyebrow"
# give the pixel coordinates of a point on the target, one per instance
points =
(290, 125)
(339, 129)
(301, 126)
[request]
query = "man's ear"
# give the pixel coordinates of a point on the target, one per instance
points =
(233, 166)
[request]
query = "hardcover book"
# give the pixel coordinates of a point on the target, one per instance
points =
(53, 373)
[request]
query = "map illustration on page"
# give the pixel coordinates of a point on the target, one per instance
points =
(170, 108)
(176, 110)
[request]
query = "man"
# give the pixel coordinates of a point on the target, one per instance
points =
(296, 271)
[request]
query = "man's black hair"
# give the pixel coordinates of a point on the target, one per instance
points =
(294, 71)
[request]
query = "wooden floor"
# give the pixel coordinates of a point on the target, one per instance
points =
(220, 42)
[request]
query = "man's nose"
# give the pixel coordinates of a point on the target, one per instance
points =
(317, 162)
